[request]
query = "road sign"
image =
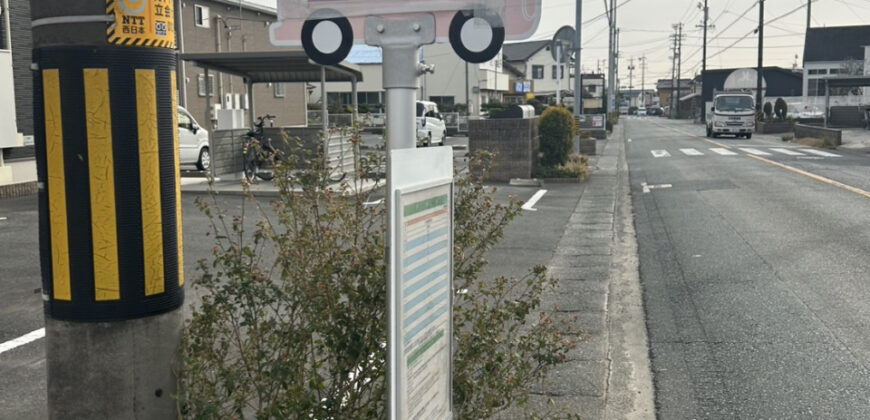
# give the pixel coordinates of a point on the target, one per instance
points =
(475, 28)
(141, 23)
(421, 289)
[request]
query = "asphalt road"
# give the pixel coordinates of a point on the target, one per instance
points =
(529, 241)
(755, 275)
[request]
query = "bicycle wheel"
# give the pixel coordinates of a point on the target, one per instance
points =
(251, 167)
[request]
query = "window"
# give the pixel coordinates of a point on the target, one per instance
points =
(280, 90)
(201, 16)
(592, 88)
(817, 71)
(537, 72)
(184, 121)
(369, 98)
(813, 88)
(201, 85)
(835, 71)
(554, 72)
(442, 100)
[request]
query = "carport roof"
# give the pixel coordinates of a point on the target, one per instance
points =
(847, 81)
(286, 66)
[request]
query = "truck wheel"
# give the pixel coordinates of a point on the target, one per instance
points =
(709, 132)
(748, 136)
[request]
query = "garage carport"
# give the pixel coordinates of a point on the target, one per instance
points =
(842, 82)
(284, 66)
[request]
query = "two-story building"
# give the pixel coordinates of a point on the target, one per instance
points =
(833, 52)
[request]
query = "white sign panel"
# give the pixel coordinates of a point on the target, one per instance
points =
(421, 283)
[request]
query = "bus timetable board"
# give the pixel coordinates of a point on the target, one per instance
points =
(421, 284)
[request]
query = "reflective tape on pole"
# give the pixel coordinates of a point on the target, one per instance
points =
(110, 215)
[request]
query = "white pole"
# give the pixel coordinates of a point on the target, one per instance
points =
(558, 73)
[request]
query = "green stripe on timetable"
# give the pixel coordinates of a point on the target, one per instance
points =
(421, 206)
(425, 347)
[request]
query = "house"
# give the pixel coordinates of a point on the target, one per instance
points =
(831, 52)
(665, 88)
(453, 84)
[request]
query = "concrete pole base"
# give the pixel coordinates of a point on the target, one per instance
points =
(113, 370)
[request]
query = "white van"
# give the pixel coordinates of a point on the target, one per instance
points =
(192, 142)
(430, 125)
(732, 113)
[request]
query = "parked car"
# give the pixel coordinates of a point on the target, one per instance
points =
(430, 124)
(641, 112)
(192, 142)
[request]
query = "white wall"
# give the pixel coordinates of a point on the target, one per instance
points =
(8, 124)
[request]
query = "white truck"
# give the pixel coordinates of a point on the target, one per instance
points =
(732, 113)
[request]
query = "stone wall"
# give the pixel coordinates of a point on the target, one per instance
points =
(832, 136)
(515, 142)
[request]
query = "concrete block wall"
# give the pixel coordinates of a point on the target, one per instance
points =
(515, 142)
(226, 152)
(832, 136)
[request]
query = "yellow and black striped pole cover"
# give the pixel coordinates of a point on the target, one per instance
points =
(110, 201)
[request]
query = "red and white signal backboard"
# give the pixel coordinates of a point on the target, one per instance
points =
(519, 17)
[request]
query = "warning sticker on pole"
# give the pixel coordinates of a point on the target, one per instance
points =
(141, 23)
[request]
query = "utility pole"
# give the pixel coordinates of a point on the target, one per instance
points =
(630, 80)
(704, 62)
(611, 71)
(679, 66)
(578, 69)
(809, 14)
(106, 140)
(759, 94)
(643, 81)
(673, 71)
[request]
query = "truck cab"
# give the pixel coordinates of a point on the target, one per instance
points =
(732, 113)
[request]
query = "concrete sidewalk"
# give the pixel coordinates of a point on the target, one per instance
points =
(608, 375)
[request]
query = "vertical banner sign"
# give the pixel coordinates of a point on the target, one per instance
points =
(421, 284)
(141, 23)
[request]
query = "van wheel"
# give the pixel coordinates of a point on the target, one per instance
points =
(429, 141)
(204, 161)
(748, 136)
(709, 132)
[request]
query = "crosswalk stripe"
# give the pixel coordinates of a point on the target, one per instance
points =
(660, 153)
(820, 153)
(723, 152)
(787, 152)
(754, 151)
(691, 152)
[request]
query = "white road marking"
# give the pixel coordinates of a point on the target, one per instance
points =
(691, 152)
(629, 140)
(820, 153)
(722, 151)
(660, 153)
(3, 219)
(648, 188)
(20, 341)
(754, 151)
(373, 203)
(530, 205)
(786, 151)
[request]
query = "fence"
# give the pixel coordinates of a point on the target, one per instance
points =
(455, 122)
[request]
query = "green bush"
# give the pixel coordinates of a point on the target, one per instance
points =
(539, 107)
(576, 167)
(292, 323)
(780, 109)
(556, 130)
(768, 110)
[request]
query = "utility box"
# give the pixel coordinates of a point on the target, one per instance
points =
(8, 124)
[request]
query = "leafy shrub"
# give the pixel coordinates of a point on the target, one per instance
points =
(768, 110)
(557, 129)
(780, 109)
(539, 107)
(293, 314)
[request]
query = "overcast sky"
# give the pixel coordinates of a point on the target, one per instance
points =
(647, 24)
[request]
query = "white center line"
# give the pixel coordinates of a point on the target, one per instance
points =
(786, 151)
(820, 153)
(691, 152)
(660, 153)
(20, 341)
(530, 205)
(722, 151)
(754, 151)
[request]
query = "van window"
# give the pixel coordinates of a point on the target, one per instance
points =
(734, 103)
(421, 109)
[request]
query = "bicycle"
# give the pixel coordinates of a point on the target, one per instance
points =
(257, 152)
